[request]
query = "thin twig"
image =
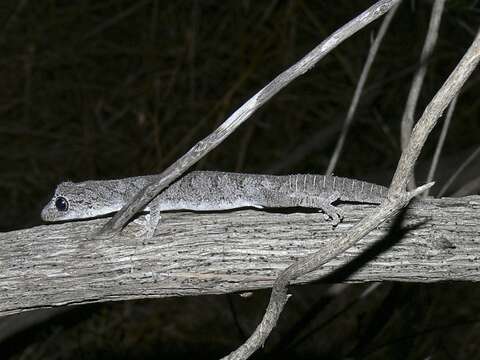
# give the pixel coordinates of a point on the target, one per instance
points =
(430, 41)
(459, 170)
(243, 147)
(443, 329)
(441, 141)
(294, 336)
(115, 19)
(359, 89)
(471, 187)
(397, 198)
(315, 143)
(364, 295)
(440, 101)
(204, 146)
(12, 19)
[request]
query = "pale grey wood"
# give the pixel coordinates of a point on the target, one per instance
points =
(213, 253)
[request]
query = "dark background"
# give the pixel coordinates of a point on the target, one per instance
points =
(108, 89)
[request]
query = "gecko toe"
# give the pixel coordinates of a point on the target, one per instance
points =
(332, 213)
(336, 220)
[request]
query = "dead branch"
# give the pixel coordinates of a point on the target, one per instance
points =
(397, 198)
(214, 253)
(372, 53)
(417, 83)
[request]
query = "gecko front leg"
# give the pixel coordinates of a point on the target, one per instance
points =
(149, 221)
(154, 219)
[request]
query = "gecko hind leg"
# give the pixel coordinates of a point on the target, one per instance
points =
(330, 211)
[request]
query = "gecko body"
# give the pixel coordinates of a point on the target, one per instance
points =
(211, 191)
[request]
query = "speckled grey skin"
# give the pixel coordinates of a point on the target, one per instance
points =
(210, 191)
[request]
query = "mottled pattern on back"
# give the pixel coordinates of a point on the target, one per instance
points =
(210, 190)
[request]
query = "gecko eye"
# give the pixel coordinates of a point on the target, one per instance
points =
(61, 204)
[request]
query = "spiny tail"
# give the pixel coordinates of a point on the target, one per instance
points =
(349, 189)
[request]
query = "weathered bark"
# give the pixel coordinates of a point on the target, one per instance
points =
(211, 253)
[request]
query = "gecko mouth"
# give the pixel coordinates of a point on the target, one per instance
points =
(49, 214)
(52, 216)
(46, 215)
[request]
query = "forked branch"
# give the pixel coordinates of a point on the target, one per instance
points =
(397, 198)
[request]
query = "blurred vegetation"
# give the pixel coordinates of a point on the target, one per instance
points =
(106, 89)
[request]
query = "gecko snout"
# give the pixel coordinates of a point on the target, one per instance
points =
(45, 214)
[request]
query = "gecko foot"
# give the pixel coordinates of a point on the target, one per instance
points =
(332, 213)
(148, 223)
(324, 203)
(143, 223)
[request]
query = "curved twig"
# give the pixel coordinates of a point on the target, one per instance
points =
(430, 41)
(204, 146)
(462, 167)
(359, 89)
(441, 141)
(397, 198)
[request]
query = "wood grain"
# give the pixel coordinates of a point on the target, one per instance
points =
(213, 253)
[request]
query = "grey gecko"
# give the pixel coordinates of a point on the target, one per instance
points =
(211, 191)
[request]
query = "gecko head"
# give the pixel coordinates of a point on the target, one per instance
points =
(84, 200)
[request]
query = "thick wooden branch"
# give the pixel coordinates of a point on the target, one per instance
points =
(211, 253)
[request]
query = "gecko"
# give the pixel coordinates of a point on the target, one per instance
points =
(211, 191)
